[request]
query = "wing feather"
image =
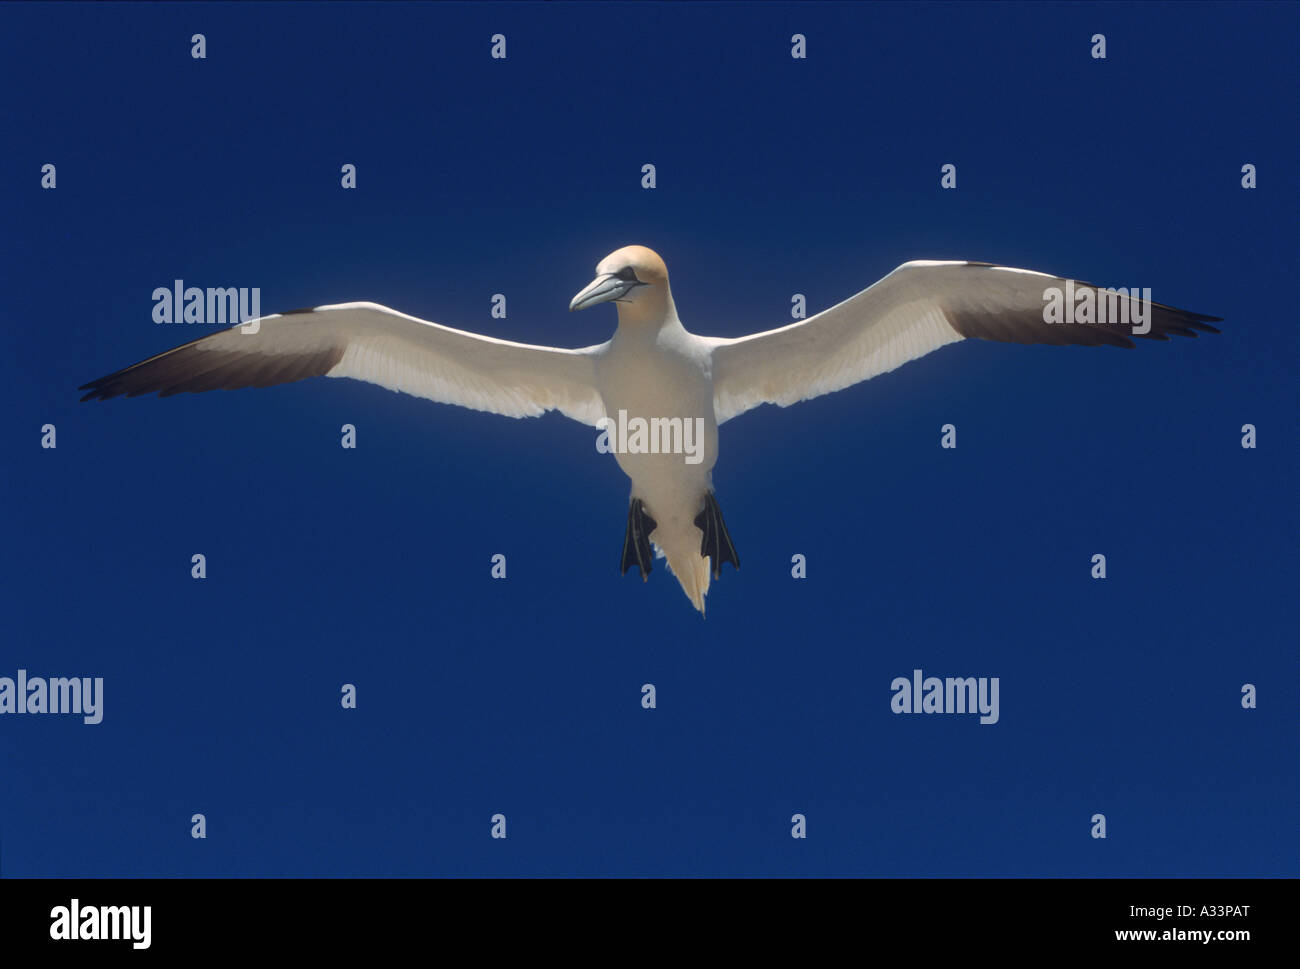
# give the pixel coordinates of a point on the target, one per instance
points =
(369, 342)
(918, 308)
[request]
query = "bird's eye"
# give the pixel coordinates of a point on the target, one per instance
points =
(627, 275)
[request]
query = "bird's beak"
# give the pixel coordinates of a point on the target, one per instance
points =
(602, 289)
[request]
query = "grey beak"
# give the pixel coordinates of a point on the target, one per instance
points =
(602, 289)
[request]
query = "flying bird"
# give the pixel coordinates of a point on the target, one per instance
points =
(652, 369)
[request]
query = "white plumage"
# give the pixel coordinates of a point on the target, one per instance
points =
(652, 368)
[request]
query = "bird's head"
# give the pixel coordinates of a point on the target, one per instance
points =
(635, 278)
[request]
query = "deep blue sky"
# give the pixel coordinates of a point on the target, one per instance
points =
(775, 176)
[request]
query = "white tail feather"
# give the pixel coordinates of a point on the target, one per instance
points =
(682, 552)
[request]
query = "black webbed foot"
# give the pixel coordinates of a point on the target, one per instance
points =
(636, 543)
(716, 543)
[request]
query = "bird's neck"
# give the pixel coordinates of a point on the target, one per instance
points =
(649, 317)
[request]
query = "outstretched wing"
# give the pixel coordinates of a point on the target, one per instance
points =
(366, 341)
(917, 308)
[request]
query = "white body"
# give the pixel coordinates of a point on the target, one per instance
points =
(665, 373)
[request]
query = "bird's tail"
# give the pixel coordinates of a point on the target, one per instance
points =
(682, 553)
(695, 550)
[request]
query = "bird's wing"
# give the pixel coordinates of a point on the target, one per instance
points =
(919, 307)
(373, 343)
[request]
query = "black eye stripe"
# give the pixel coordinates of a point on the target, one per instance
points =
(627, 275)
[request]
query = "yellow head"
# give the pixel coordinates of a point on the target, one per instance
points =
(635, 278)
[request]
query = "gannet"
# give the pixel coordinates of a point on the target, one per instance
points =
(652, 368)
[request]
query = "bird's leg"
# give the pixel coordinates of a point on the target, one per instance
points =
(716, 544)
(636, 543)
